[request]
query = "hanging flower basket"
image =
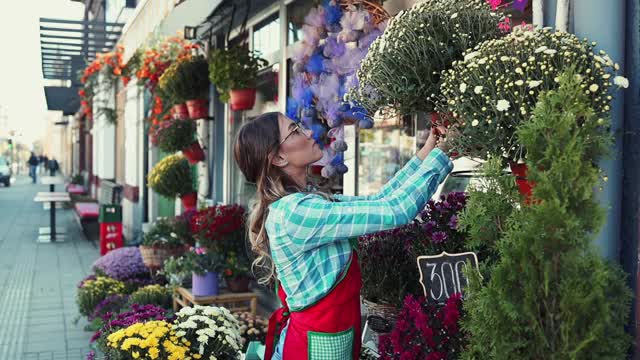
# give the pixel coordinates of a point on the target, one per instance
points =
(154, 257)
(198, 108)
(193, 153)
(242, 99)
(180, 112)
(189, 201)
(524, 186)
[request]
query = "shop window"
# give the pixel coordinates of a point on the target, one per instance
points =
(266, 38)
(296, 13)
(383, 150)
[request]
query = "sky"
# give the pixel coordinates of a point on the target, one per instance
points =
(21, 85)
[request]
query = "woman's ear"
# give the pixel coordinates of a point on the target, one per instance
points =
(279, 161)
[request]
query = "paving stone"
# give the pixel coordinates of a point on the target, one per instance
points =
(39, 281)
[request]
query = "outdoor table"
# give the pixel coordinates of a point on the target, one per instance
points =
(49, 234)
(52, 181)
(184, 297)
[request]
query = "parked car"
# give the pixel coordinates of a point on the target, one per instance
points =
(466, 172)
(5, 172)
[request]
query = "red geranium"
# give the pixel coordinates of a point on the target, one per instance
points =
(220, 222)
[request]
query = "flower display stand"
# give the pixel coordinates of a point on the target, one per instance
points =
(247, 301)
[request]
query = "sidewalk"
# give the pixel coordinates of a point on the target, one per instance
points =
(38, 281)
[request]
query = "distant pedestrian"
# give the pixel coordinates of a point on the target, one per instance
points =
(45, 164)
(53, 166)
(33, 166)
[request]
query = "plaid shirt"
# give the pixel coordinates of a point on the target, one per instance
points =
(310, 236)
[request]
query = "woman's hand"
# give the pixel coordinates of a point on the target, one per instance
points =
(434, 136)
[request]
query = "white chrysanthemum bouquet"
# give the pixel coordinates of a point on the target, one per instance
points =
(403, 67)
(497, 84)
(211, 332)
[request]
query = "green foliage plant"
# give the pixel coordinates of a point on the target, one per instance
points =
(234, 68)
(550, 295)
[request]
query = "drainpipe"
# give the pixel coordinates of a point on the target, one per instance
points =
(604, 23)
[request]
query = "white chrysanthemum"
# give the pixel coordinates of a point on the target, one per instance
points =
(454, 15)
(593, 87)
(477, 89)
(475, 123)
(463, 87)
(519, 82)
(550, 51)
(519, 71)
(503, 105)
(188, 325)
(621, 81)
(540, 49)
(470, 55)
(188, 311)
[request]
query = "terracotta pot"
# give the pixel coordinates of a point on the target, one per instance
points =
(193, 153)
(242, 99)
(524, 186)
(239, 284)
(198, 108)
(189, 201)
(180, 112)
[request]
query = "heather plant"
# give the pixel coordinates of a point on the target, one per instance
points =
(388, 258)
(550, 295)
(121, 264)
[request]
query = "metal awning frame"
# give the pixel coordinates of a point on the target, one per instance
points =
(64, 55)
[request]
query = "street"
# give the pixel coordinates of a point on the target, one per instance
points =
(37, 302)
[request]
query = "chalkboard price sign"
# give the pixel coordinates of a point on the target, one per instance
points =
(443, 275)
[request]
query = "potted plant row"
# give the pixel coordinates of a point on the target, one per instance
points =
(167, 238)
(172, 177)
(186, 81)
(174, 135)
(234, 72)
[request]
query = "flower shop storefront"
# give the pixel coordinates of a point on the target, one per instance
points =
(503, 262)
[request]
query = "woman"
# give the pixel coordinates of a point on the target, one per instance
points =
(305, 238)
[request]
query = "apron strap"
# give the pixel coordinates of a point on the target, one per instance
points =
(277, 322)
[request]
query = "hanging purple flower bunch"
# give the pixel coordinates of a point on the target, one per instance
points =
(334, 44)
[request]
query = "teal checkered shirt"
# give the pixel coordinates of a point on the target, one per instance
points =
(309, 235)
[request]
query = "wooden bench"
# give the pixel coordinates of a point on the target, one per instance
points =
(76, 189)
(88, 212)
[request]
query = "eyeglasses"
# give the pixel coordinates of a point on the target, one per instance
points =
(296, 129)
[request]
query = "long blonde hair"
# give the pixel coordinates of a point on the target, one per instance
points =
(255, 146)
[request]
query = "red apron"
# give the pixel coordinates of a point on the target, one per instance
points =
(328, 329)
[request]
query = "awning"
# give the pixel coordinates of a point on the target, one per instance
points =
(62, 98)
(190, 13)
(67, 46)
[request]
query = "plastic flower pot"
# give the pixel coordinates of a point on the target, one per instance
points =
(189, 201)
(242, 99)
(204, 285)
(198, 108)
(180, 112)
(193, 153)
